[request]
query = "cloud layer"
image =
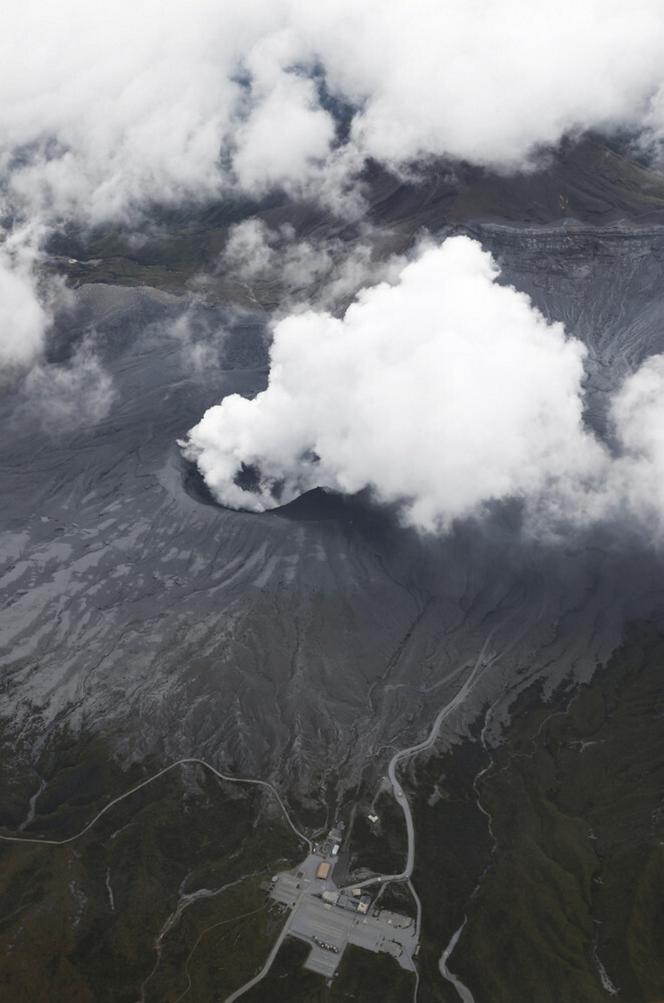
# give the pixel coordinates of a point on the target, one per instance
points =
(64, 396)
(106, 108)
(24, 314)
(322, 272)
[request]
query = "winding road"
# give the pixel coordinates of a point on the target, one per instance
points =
(479, 667)
(399, 757)
(180, 762)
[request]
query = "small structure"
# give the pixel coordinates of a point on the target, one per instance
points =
(372, 817)
(335, 838)
(355, 902)
(328, 919)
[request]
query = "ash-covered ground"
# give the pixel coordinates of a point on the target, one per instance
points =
(304, 644)
(301, 642)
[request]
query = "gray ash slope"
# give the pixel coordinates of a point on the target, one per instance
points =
(301, 643)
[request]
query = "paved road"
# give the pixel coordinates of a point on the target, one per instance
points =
(150, 780)
(427, 743)
(412, 750)
(270, 958)
(480, 666)
(403, 754)
(418, 927)
(222, 776)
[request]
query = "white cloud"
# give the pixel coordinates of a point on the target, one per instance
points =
(488, 81)
(113, 108)
(250, 249)
(70, 394)
(104, 108)
(637, 477)
(324, 271)
(443, 392)
(23, 319)
(286, 133)
(199, 343)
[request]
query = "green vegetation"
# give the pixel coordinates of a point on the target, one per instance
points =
(81, 921)
(381, 847)
(590, 181)
(575, 797)
(397, 897)
(571, 872)
(453, 849)
(362, 975)
(219, 944)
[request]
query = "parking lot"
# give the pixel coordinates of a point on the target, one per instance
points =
(329, 926)
(319, 923)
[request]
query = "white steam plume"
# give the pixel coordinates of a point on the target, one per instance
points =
(443, 392)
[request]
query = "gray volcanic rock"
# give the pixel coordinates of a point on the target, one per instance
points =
(304, 641)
